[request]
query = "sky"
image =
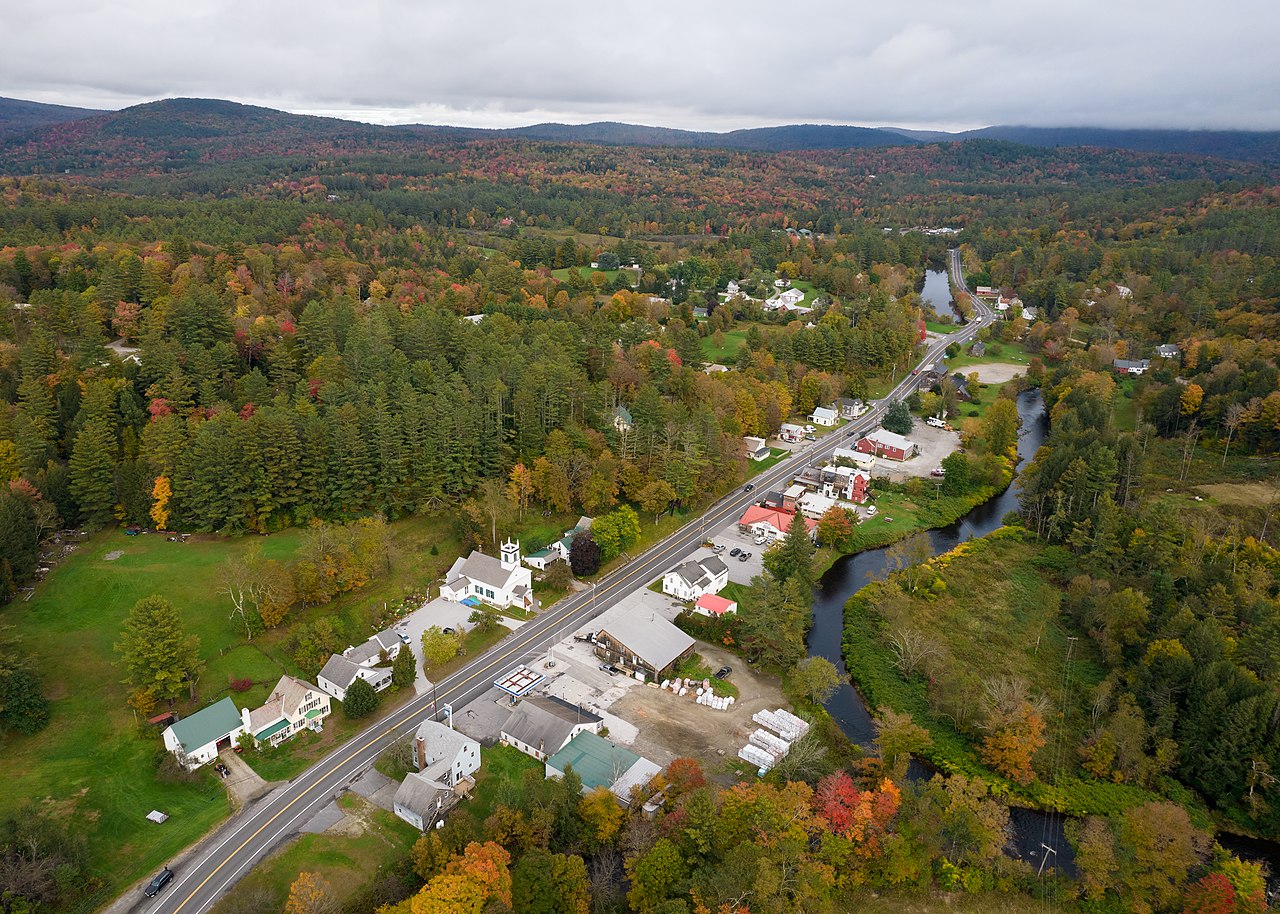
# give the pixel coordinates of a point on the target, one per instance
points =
(693, 64)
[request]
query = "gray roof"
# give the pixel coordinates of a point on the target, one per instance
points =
(340, 671)
(419, 793)
(372, 649)
(442, 744)
(545, 722)
(654, 640)
(713, 565)
(482, 569)
(1126, 364)
(208, 725)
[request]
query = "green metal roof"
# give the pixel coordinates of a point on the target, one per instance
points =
(208, 725)
(594, 759)
(314, 713)
(272, 730)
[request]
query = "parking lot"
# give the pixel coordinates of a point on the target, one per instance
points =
(935, 444)
(441, 612)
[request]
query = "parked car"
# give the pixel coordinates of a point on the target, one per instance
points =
(404, 637)
(718, 548)
(759, 540)
(584, 636)
(155, 885)
(723, 672)
(734, 552)
(810, 436)
(744, 556)
(937, 471)
(611, 669)
(448, 630)
(872, 510)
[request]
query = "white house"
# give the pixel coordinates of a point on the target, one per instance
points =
(540, 725)
(294, 706)
(445, 761)
(1168, 351)
(559, 550)
(383, 646)
(692, 579)
(787, 300)
(849, 408)
(444, 754)
(756, 448)
(791, 432)
(824, 416)
(198, 739)
(339, 672)
(499, 582)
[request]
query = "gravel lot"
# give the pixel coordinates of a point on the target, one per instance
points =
(671, 726)
(935, 444)
(997, 372)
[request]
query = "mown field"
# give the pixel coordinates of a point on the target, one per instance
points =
(97, 762)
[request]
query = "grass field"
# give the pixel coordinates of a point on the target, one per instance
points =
(935, 327)
(94, 760)
(370, 842)
(501, 772)
(728, 351)
(937, 903)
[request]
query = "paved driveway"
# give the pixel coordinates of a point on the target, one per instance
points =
(441, 612)
(739, 572)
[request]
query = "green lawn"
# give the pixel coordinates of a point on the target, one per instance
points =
(694, 667)
(776, 456)
(501, 772)
(935, 327)
(585, 273)
(377, 843)
(94, 761)
(727, 352)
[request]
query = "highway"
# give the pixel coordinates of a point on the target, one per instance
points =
(239, 843)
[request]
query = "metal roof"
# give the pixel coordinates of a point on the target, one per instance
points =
(208, 725)
(598, 762)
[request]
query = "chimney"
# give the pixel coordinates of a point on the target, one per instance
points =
(420, 752)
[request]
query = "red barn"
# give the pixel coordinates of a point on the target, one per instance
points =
(887, 444)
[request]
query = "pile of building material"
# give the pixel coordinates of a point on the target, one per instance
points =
(703, 694)
(783, 723)
(764, 749)
(756, 756)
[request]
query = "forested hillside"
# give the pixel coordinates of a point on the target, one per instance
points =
(230, 322)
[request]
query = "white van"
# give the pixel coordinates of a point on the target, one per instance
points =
(936, 422)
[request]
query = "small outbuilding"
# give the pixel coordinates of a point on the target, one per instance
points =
(197, 740)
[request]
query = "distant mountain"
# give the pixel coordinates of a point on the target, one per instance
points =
(179, 132)
(1246, 145)
(18, 116)
(758, 139)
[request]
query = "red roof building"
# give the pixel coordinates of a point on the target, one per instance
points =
(710, 604)
(772, 521)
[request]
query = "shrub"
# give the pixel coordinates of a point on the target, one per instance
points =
(241, 685)
(361, 700)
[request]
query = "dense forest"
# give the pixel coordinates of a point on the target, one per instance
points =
(316, 326)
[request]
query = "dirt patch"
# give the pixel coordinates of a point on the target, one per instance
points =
(356, 818)
(112, 555)
(672, 726)
(1240, 493)
(995, 372)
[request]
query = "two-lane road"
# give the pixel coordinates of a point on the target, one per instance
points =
(239, 843)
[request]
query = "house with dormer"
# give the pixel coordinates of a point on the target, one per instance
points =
(500, 582)
(294, 706)
(696, 577)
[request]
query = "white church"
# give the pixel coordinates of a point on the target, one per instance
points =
(499, 582)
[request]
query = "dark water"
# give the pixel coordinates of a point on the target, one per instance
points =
(937, 294)
(853, 572)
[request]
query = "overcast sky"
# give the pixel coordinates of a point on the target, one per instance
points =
(692, 63)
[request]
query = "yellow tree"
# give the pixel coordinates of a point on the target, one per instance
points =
(479, 875)
(1192, 395)
(520, 487)
(160, 494)
(601, 814)
(310, 894)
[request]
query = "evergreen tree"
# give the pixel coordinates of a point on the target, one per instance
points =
(404, 669)
(93, 472)
(792, 559)
(361, 700)
(157, 657)
(897, 418)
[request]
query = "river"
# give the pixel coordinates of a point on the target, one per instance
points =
(1030, 830)
(937, 294)
(853, 572)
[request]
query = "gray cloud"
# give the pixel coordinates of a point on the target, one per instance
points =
(701, 65)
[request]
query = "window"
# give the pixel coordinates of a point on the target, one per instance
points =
(489, 594)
